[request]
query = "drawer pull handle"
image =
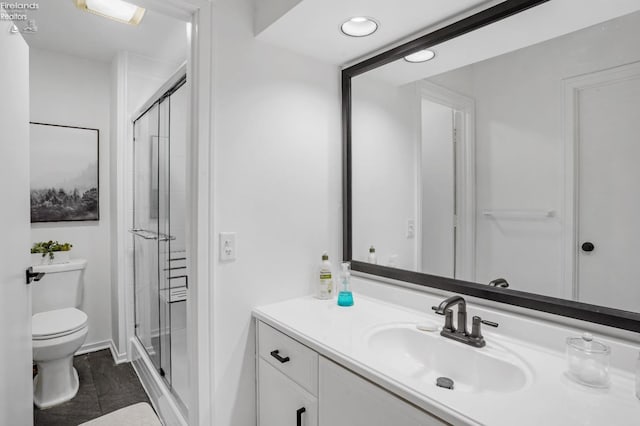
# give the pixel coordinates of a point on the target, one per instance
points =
(299, 416)
(276, 355)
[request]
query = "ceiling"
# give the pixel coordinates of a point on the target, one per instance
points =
(312, 27)
(541, 23)
(64, 28)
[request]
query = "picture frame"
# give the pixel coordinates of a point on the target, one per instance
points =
(64, 170)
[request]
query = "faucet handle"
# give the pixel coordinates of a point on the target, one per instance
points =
(476, 333)
(476, 325)
(489, 323)
(435, 308)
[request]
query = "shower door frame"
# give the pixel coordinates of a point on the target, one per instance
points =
(163, 235)
(199, 13)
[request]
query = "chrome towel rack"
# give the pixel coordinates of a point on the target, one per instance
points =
(151, 235)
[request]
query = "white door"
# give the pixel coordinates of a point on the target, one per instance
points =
(437, 183)
(609, 194)
(281, 402)
(16, 394)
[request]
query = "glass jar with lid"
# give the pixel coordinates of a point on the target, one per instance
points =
(588, 361)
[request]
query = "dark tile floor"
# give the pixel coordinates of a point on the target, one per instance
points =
(104, 387)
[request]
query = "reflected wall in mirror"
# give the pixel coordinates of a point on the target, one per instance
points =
(512, 154)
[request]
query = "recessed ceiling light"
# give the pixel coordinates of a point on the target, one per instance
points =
(117, 10)
(359, 26)
(420, 56)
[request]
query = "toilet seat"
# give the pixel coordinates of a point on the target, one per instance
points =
(60, 322)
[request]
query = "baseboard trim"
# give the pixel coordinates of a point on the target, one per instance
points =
(94, 347)
(118, 358)
(161, 398)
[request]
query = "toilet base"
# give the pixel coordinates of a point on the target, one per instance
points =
(56, 382)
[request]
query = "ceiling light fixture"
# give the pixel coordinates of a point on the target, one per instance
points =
(359, 26)
(117, 10)
(420, 56)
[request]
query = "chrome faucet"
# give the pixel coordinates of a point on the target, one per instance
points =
(460, 333)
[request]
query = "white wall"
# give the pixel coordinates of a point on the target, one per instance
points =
(385, 146)
(74, 91)
(276, 182)
(519, 147)
(268, 11)
(145, 75)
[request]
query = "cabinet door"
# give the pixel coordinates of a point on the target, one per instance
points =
(348, 400)
(281, 402)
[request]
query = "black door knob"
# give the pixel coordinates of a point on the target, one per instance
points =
(588, 246)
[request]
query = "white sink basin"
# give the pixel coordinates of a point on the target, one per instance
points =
(425, 356)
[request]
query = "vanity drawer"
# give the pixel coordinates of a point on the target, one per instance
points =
(295, 360)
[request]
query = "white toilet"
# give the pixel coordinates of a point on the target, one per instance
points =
(58, 331)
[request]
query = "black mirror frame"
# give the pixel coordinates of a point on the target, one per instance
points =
(582, 311)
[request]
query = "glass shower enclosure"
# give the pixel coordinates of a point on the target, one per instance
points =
(159, 250)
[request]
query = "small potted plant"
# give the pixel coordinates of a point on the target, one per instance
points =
(50, 252)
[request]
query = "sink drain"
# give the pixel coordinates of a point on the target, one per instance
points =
(444, 382)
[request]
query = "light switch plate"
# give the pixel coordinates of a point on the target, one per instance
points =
(227, 246)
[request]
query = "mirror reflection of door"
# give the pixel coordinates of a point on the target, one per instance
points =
(608, 199)
(437, 186)
(446, 183)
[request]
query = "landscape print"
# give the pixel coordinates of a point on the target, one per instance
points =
(64, 173)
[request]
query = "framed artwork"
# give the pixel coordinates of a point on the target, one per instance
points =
(64, 173)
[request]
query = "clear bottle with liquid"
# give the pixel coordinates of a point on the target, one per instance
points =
(372, 258)
(345, 297)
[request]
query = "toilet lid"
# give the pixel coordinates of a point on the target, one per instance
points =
(50, 324)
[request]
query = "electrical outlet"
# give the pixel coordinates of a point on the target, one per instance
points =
(411, 228)
(227, 246)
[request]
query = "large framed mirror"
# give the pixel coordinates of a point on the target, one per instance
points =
(499, 157)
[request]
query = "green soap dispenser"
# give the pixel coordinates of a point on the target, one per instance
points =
(345, 297)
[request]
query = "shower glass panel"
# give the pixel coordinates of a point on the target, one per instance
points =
(160, 267)
(145, 242)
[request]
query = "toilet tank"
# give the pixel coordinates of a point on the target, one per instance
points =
(61, 286)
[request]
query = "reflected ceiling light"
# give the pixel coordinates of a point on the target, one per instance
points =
(420, 56)
(117, 10)
(359, 26)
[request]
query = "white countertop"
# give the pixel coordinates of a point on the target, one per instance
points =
(548, 399)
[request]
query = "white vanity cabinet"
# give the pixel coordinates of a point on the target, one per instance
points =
(298, 387)
(287, 380)
(349, 400)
